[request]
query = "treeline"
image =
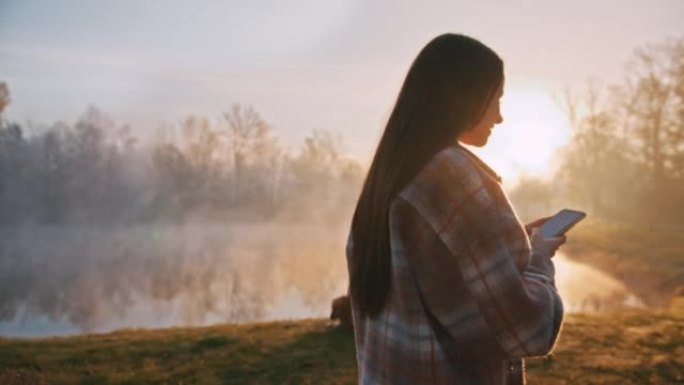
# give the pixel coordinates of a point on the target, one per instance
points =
(625, 162)
(231, 169)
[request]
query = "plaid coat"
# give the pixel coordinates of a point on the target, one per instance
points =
(467, 301)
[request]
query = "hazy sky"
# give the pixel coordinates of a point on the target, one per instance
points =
(306, 64)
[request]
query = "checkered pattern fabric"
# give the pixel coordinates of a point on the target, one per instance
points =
(467, 299)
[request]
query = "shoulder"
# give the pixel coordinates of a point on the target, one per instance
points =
(448, 191)
(453, 199)
(451, 174)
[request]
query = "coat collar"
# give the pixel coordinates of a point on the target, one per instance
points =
(480, 163)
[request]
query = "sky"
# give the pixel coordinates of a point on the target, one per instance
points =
(307, 64)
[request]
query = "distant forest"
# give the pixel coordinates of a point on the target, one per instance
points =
(233, 169)
(625, 163)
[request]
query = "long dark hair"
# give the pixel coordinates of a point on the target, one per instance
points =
(445, 92)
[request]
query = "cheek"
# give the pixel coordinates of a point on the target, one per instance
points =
(487, 120)
(495, 114)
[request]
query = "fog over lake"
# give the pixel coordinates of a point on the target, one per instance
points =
(72, 280)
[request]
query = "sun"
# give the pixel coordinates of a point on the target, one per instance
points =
(529, 139)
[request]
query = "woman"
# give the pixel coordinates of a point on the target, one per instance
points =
(446, 285)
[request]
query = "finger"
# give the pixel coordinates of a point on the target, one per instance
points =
(557, 241)
(541, 221)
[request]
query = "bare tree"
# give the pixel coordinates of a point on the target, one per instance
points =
(4, 99)
(256, 155)
(596, 164)
(651, 101)
(626, 159)
(651, 106)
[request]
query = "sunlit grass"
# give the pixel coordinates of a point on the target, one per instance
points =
(619, 347)
(273, 353)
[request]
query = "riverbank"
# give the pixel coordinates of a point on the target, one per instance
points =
(617, 347)
(648, 261)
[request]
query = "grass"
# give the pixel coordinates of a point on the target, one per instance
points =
(268, 353)
(620, 347)
(617, 347)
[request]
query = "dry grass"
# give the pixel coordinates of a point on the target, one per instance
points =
(623, 347)
(617, 347)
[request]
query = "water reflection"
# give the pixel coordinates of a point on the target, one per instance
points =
(193, 275)
(58, 280)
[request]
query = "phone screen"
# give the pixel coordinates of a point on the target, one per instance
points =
(561, 222)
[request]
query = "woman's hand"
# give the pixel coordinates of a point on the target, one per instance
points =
(535, 223)
(545, 246)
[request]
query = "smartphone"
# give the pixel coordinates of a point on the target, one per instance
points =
(561, 222)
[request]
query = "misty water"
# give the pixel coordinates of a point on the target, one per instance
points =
(147, 276)
(66, 280)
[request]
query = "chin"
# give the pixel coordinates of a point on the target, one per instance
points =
(480, 143)
(476, 142)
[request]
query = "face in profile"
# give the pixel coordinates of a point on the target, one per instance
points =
(479, 134)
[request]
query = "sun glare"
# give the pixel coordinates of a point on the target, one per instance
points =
(531, 135)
